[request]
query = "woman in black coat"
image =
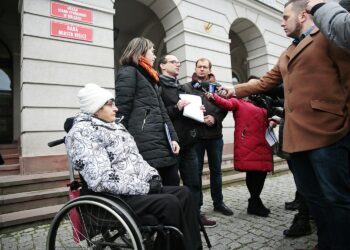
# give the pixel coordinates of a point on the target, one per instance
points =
(139, 102)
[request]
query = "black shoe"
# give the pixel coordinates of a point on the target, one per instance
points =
(256, 207)
(300, 227)
(223, 209)
(292, 205)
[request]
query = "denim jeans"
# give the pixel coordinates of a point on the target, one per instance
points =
(188, 165)
(323, 178)
(214, 149)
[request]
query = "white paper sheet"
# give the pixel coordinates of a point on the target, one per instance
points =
(270, 136)
(193, 109)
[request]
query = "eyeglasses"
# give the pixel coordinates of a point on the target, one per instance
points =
(110, 103)
(174, 62)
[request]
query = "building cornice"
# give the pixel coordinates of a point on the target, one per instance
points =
(166, 39)
(262, 8)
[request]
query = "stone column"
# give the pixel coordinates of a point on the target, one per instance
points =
(65, 44)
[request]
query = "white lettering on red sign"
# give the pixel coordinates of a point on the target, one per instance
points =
(71, 31)
(70, 12)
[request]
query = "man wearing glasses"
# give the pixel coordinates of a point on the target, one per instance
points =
(185, 127)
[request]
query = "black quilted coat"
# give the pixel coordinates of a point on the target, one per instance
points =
(138, 100)
(186, 128)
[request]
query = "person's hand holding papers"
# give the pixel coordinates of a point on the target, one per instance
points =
(181, 104)
(194, 109)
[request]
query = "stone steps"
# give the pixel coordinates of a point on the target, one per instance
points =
(33, 199)
(30, 198)
(9, 153)
(230, 176)
(33, 182)
(9, 169)
(11, 148)
(28, 216)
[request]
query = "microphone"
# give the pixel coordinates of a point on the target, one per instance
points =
(196, 84)
(205, 85)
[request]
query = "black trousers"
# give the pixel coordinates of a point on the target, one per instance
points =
(303, 210)
(255, 182)
(173, 207)
(170, 175)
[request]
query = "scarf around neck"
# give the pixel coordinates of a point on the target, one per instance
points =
(148, 67)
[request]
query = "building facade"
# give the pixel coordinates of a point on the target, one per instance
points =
(50, 49)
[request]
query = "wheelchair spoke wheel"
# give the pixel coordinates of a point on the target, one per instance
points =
(93, 224)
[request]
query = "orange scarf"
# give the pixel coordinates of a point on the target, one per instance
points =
(148, 67)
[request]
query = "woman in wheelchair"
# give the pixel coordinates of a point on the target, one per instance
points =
(107, 158)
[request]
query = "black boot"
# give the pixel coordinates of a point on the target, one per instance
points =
(256, 207)
(293, 205)
(300, 227)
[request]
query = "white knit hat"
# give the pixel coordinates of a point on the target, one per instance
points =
(92, 97)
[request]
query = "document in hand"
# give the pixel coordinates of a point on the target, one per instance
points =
(170, 140)
(193, 109)
(270, 136)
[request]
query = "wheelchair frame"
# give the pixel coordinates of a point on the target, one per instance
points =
(126, 232)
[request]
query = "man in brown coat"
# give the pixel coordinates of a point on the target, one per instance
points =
(316, 77)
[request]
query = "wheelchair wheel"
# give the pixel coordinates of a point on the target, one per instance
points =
(92, 222)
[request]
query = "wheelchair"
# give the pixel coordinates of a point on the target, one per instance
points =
(104, 221)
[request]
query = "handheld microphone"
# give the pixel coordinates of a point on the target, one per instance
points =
(196, 84)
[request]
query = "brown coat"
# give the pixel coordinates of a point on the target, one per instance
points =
(316, 77)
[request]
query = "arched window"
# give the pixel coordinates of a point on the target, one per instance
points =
(6, 95)
(5, 68)
(5, 82)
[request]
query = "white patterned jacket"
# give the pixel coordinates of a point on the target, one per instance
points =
(107, 157)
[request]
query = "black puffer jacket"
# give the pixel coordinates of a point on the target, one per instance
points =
(138, 100)
(219, 114)
(186, 128)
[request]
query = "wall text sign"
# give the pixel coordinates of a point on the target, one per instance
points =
(71, 31)
(71, 12)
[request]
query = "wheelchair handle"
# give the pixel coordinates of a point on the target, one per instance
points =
(56, 142)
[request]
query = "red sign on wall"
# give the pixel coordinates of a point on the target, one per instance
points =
(71, 12)
(71, 31)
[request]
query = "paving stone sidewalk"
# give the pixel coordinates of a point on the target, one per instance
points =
(243, 231)
(240, 231)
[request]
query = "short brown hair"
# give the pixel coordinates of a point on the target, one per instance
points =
(203, 60)
(298, 5)
(136, 48)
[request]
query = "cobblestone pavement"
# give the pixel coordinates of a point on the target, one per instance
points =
(240, 231)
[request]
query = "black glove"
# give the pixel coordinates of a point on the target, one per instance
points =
(155, 185)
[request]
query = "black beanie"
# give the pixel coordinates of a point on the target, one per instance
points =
(345, 4)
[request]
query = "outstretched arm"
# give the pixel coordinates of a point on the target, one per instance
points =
(333, 21)
(227, 104)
